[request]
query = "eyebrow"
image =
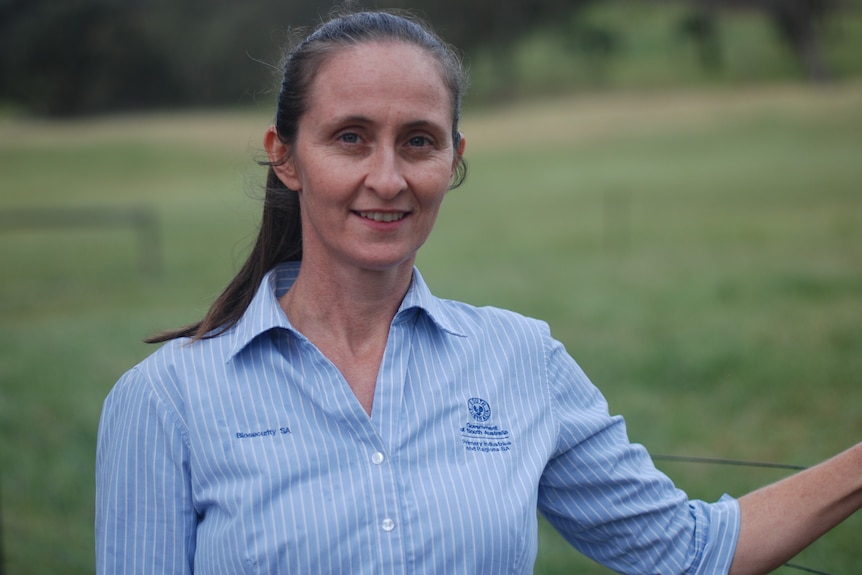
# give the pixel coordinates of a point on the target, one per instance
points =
(360, 119)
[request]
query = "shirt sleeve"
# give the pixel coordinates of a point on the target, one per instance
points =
(605, 496)
(145, 518)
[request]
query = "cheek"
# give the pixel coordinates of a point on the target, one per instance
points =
(435, 181)
(431, 201)
(431, 210)
(324, 184)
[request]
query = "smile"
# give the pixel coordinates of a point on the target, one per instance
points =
(382, 216)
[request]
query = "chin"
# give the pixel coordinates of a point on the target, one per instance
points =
(386, 264)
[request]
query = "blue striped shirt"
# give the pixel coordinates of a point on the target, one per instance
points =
(249, 453)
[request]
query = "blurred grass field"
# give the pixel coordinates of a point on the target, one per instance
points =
(699, 252)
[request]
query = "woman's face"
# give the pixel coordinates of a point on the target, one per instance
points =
(373, 156)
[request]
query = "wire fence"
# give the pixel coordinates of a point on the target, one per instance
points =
(740, 463)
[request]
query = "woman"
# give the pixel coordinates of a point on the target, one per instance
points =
(330, 415)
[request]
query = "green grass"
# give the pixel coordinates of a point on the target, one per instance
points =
(700, 254)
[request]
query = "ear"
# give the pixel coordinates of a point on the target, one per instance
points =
(459, 153)
(281, 157)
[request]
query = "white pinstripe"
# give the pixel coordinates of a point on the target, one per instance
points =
(179, 491)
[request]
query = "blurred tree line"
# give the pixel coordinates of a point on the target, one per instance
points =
(71, 57)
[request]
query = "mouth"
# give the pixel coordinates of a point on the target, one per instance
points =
(383, 216)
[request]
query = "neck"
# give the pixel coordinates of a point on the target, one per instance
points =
(347, 317)
(353, 308)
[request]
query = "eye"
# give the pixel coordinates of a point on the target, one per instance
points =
(349, 137)
(419, 141)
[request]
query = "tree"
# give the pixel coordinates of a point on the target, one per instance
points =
(92, 56)
(799, 23)
(79, 56)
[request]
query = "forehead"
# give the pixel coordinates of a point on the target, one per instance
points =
(381, 73)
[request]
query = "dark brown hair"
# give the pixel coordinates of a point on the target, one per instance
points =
(280, 236)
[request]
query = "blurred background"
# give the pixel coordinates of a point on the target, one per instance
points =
(95, 56)
(675, 186)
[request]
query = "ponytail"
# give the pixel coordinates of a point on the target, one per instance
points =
(279, 240)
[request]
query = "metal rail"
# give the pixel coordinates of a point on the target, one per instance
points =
(143, 220)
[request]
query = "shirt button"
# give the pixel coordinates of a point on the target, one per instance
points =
(388, 525)
(377, 458)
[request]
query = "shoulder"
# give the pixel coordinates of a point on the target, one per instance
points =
(526, 338)
(508, 337)
(459, 318)
(177, 359)
(474, 320)
(167, 377)
(166, 365)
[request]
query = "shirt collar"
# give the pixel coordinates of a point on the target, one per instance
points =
(419, 297)
(264, 313)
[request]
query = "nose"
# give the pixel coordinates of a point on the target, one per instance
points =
(385, 176)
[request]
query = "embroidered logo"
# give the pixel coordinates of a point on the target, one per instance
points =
(262, 433)
(479, 409)
(481, 433)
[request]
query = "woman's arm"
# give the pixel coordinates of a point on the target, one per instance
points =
(145, 519)
(780, 520)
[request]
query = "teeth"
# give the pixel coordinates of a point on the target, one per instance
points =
(382, 216)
